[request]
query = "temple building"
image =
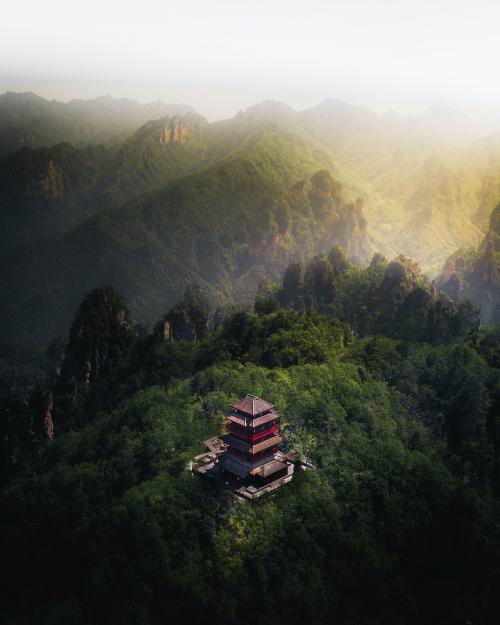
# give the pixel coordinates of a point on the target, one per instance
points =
(252, 441)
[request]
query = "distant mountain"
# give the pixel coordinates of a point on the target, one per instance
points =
(427, 192)
(47, 191)
(29, 120)
(475, 273)
(414, 173)
(450, 124)
(159, 151)
(436, 192)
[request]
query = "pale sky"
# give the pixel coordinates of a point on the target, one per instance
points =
(224, 55)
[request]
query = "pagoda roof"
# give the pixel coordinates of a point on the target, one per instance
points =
(249, 465)
(252, 405)
(243, 470)
(237, 443)
(248, 422)
(270, 416)
(233, 466)
(269, 468)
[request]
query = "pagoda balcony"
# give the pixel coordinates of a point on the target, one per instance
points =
(253, 460)
(250, 436)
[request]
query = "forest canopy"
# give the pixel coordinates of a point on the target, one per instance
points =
(397, 521)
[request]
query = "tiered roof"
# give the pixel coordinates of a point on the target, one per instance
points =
(243, 468)
(237, 443)
(252, 405)
(243, 421)
(246, 457)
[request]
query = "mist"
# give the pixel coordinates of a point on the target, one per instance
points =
(225, 55)
(250, 312)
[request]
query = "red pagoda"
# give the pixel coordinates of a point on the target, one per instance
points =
(252, 441)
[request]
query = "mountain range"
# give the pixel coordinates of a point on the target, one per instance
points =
(152, 197)
(27, 120)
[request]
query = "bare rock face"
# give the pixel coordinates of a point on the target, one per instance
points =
(42, 423)
(475, 274)
(335, 222)
(448, 271)
(347, 228)
(165, 331)
(176, 131)
(47, 183)
(490, 268)
(491, 243)
(353, 229)
(170, 131)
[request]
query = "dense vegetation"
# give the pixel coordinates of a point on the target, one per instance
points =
(48, 190)
(228, 227)
(45, 192)
(387, 385)
(397, 523)
(390, 298)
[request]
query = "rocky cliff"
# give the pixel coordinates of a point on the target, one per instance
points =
(27, 120)
(227, 228)
(100, 332)
(475, 273)
(47, 191)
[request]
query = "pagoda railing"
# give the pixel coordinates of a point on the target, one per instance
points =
(252, 438)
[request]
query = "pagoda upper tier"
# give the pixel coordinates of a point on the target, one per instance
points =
(252, 406)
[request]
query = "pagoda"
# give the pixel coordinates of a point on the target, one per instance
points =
(252, 441)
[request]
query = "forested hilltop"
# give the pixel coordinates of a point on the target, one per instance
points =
(386, 385)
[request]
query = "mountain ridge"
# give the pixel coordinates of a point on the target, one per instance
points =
(29, 120)
(228, 227)
(418, 196)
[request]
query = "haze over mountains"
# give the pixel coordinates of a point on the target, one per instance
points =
(29, 120)
(150, 197)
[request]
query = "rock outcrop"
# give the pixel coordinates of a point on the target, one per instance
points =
(100, 334)
(174, 130)
(48, 182)
(475, 274)
(42, 423)
(177, 131)
(189, 319)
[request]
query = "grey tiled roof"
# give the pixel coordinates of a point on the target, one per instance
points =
(252, 405)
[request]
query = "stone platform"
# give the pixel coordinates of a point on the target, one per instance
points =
(206, 464)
